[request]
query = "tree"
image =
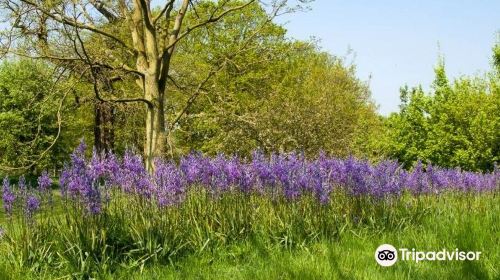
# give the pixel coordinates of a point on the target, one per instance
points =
(112, 41)
(496, 57)
(240, 108)
(456, 125)
(275, 94)
(31, 104)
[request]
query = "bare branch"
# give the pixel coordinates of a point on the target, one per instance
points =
(107, 13)
(68, 21)
(175, 83)
(194, 96)
(50, 57)
(95, 80)
(165, 11)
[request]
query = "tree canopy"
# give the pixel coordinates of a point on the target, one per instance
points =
(456, 125)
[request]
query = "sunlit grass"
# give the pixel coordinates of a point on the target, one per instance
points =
(238, 236)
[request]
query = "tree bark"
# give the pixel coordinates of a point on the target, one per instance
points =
(103, 127)
(156, 131)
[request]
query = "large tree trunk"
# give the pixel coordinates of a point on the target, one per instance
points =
(154, 145)
(103, 127)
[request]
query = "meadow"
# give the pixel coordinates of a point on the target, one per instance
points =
(244, 139)
(277, 217)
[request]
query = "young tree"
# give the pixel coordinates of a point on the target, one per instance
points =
(456, 125)
(31, 104)
(116, 40)
(496, 57)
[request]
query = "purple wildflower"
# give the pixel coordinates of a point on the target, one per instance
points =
(23, 187)
(289, 176)
(8, 197)
(133, 177)
(44, 182)
(32, 205)
(169, 184)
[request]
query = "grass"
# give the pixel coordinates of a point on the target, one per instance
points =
(449, 225)
(278, 244)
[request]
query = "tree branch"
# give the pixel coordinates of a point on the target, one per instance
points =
(68, 21)
(46, 57)
(95, 80)
(108, 14)
(165, 11)
(195, 95)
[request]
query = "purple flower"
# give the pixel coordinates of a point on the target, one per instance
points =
(32, 205)
(82, 147)
(192, 168)
(263, 171)
(287, 176)
(80, 180)
(23, 188)
(44, 182)
(97, 167)
(112, 167)
(169, 183)
(133, 176)
(8, 197)
(247, 179)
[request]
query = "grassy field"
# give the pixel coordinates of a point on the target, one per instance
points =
(449, 221)
(448, 225)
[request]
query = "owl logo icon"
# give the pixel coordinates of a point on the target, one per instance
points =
(386, 255)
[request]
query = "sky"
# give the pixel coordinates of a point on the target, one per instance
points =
(398, 42)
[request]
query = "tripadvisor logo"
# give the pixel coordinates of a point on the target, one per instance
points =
(387, 255)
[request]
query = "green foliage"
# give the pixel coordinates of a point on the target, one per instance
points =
(29, 100)
(271, 93)
(456, 125)
(496, 57)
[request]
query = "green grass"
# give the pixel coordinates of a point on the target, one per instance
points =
(449, 225)
(278, 244)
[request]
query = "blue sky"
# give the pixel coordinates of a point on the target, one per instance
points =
(398, 42)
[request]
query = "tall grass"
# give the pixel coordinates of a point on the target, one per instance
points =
(133, 234)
